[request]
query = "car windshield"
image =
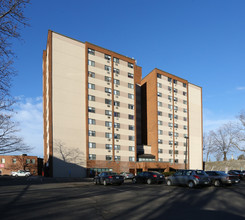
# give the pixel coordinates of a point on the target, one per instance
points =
(156, 173)
(200, 172)
(112, 173)
(221, 173)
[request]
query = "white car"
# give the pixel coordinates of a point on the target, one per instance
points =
(21, 173)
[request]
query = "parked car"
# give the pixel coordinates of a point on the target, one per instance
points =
(190, 178)
(219, 178)
(241, 173)
(108, 178)
(127, 175)
(149, 177)
(235, 173)
(21, 173)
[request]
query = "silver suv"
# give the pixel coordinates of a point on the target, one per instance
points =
(190, 178)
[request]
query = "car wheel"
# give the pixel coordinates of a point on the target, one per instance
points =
(191, 184)
(134, 180)
(95, 182)
(104, 182)
(217, 183)
(27, 175)
(16, 175)
(148, 181)
(169, 183)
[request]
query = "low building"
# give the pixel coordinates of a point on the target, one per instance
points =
(9, 163)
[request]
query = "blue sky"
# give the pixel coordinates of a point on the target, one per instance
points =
(201, 41)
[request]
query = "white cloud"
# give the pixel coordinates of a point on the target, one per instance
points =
(30, 117)
(240, 88)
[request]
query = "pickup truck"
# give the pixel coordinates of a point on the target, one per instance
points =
(21, 173)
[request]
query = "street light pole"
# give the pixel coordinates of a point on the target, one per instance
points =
(186, 152)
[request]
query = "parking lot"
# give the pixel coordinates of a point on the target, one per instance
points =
(34, 199)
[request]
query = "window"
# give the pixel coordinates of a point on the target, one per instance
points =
(3, 160)
(160, 151)
(107, 57)
(33, 161)
(91, 86)
(130, 85)
(107, 68)
(171, 160)
(91, 51)
(130, 65)
(91, 121)
(185, 136)
(108, 146)
(184, 93)
(115, 60)
(169, 89)
(130, 106)
(116, 81)
(159, 122)
(131, 138)
(108, 112)
(176, 161)
(159, 104)
(91, 98)
(28, 161)
(91, 133)
(176, 125)
(159, 94)
(91, 63)
(170, 152)
(130, 96)
(130, 117)
(159, 85)
(160, 132)
(116, 114)
(107, 79)
(175, 99)
(160, 159)
(185, 110)
(92, 157)
(130, 75)
(170, 106)
(159, 141)
(175, 90)
(108, 135)
(175, 108)
(175, 81)
(131, 148)
(14, 160)
(116, 103)
(91, 145)
(117, 158)
(170, 133)
(116, 125)
(91, 74)
(115, 70)
(159, 76)
(117, 147)
(170, 124)
(131, 127)
(108, 101)
(185, 119)
(176, 143)
(170, 98)
(169, 79)
(170, 142)
(108, 90)
(108, 123)
(116, 92)
(159, 113)
(184, 102)
(170, 116)
(131, 158)
(108, 157)
(176, 134)
(184, 85)
(185, 127)
(176, 116)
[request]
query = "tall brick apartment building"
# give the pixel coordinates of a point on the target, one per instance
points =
(99, 114)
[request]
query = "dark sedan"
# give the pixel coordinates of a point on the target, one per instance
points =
(108, 178)
(149, 177)
(235, 173)
(219, 178)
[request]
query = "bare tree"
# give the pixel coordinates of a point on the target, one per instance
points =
(224, 140)
(12, 19)
(240, 127)
(208, 147)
